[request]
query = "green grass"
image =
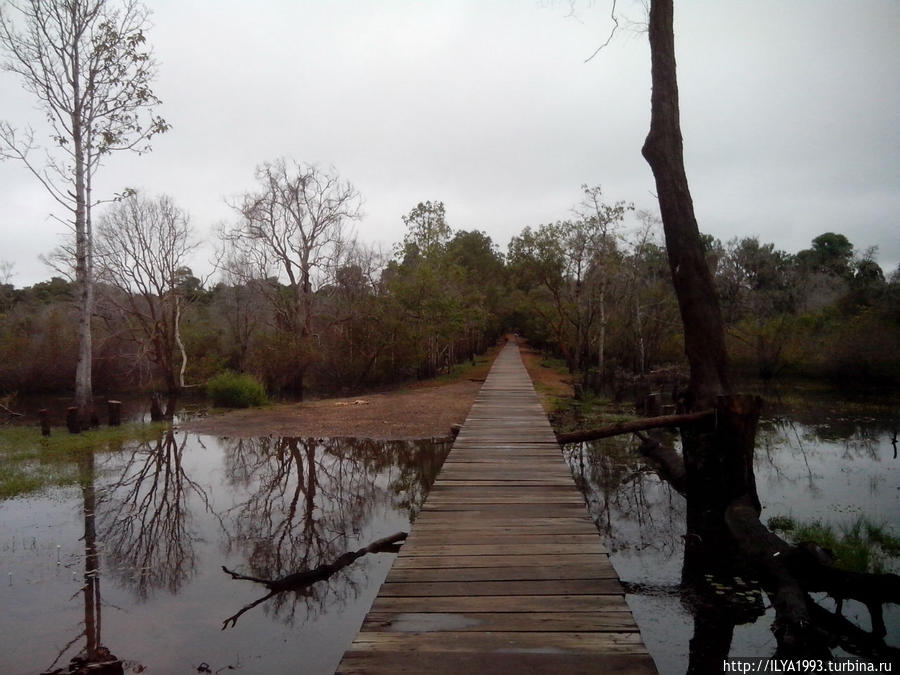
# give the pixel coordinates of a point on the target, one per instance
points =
(860, 546)
(30, 462)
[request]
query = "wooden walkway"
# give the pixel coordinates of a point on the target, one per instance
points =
(503, 572)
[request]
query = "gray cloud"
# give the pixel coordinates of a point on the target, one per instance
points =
(789, 110)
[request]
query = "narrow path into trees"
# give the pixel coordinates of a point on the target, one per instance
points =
(503, 571)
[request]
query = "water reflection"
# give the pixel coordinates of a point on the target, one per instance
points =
(94, 656)
(308, 499)
(833, 470)
(160, 519)
(145, 517)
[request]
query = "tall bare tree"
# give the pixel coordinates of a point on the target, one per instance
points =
(293, 231)
(88, 65)
(142, 251)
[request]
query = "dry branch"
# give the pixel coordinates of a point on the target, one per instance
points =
(299, 580)
(633, 426)
(11, 413)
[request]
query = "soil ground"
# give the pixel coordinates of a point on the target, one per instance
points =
(423, 410)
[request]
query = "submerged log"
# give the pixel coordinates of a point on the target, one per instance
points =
(791, 572)
(770, 556)
(794, 571)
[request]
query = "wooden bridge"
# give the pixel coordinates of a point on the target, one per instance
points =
(503, 572)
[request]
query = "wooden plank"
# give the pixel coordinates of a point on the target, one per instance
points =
(595, 546)
(367, 662)
(423, 622)
(598, 560)
(503, 603)
(482, 538)
(503, 571)
(391, 589)
(435, 520)
(460, 641)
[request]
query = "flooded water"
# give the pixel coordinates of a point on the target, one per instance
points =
(817, 462)
(130, 558)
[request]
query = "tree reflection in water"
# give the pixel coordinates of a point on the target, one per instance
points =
(94, 657)
(145, 521)
(161, 515)
(309, 500)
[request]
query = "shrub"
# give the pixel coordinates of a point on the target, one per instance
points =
(235, 390)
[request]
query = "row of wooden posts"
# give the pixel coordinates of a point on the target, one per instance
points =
(114, 416)
(73, 424)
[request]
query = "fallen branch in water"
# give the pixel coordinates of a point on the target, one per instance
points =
(642, 424)
(299, 580)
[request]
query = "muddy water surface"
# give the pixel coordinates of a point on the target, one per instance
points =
(130, 559)
(820, 460)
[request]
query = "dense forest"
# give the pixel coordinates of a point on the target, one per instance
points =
(300, 304)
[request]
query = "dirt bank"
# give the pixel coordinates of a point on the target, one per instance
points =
(417, 412)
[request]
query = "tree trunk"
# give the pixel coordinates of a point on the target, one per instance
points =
(718, 459)
(718, 453)
(704, 332)
(83, 258)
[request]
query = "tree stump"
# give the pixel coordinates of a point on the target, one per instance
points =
(72, 422)
(156, 413)
(652, 405)
(44, 416)
(115, 413)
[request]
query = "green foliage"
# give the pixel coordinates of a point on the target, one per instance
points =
(30, 462)
(860, 546)
(235, 390)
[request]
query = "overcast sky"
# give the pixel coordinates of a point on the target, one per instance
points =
(790, 114)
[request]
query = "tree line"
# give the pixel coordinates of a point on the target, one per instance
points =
(302, 305)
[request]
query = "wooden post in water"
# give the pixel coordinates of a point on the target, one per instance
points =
(156, 413)
(72, 423)
(44, 416)
(652, 405)
(115, 413)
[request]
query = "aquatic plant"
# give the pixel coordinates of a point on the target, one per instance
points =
(860, 546)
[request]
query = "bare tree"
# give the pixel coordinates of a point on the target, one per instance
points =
(142, 251)
(6, 271)
(293, 232)
(88, 65)
(598, 227)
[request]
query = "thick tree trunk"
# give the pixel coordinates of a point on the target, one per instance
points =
(704, 333)
(718, 459)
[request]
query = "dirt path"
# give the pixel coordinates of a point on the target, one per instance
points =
(422, 411)
(417, 412)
